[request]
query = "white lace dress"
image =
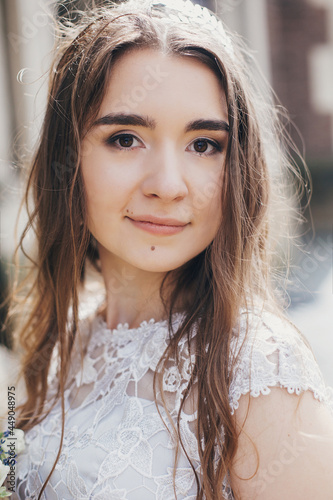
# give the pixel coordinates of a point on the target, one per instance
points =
(115, 444)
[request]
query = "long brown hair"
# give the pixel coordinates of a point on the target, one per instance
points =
(229, 274)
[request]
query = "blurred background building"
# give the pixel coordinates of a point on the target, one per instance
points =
(293, 43)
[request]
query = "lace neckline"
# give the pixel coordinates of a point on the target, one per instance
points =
(100, 324)
(124, 327)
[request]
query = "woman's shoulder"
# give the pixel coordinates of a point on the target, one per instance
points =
(283, 410)
(267, 351)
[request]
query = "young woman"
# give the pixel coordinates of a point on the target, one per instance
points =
(154, 170)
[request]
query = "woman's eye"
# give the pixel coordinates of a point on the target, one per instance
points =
(123, 141)
(205, 146)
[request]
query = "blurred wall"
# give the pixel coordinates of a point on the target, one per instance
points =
(26, 40)
(301, 40)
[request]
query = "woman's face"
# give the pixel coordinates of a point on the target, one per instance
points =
(152, 162)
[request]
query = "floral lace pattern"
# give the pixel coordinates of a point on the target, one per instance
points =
(116, 445)
(274, 355)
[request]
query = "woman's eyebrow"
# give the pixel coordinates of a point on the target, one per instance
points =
(145, 121)
(125, 119)
(207, 125)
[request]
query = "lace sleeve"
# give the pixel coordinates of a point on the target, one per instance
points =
(273, 354)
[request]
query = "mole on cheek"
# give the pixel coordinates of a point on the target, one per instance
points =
(152, 248)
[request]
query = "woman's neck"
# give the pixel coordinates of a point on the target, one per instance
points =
(132, 295)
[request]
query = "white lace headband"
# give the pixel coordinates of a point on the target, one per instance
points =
(184, 11)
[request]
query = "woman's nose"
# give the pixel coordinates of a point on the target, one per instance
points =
(164, 177)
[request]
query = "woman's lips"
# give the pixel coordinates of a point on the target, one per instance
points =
(154, 228)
